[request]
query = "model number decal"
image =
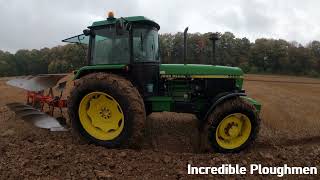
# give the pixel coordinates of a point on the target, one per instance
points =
(200, 76)
(173, 76)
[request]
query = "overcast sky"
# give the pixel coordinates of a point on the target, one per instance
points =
(28, 24)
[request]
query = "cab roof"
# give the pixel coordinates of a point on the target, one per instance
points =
(132, 19)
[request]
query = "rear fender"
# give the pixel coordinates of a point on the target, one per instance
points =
(116, 69)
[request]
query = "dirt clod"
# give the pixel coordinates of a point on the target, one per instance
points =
(123, 155)
(103, 174)
(58, 154)
(166, 159)
(8, 132)
(266, 156)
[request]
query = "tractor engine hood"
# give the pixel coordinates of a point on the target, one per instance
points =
(200, 71)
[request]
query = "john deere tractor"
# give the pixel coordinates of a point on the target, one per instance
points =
(124, 81)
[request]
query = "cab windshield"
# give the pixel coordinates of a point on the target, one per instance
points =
(145, 45)
(110, 48)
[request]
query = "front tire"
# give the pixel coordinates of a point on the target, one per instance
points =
(107, 110)
(231, 127)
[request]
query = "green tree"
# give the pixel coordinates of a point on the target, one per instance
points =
(261, 56)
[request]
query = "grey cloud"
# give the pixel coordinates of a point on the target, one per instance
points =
(44, 23)
(36, 24)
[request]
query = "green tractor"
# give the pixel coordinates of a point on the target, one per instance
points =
(125, 81)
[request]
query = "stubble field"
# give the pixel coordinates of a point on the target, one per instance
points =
(290, 134)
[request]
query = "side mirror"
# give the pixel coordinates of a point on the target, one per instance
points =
(87, 32)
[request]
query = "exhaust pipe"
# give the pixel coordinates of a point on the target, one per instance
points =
(185, 34)
(214, 38)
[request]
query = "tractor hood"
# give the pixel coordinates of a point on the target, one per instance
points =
(200, 71)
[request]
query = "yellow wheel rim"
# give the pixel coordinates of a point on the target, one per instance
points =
(101, 116)
(233, 131)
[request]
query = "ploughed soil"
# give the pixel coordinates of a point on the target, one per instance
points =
(290, 134)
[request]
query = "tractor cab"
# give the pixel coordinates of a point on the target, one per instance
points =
(123, 41)
(130, 41)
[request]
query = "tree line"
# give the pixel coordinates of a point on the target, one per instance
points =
(261, 56)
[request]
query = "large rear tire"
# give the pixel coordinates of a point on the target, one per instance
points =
(231, 127)
(107, 110)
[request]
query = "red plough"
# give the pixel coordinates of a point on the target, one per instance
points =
(40, 107)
